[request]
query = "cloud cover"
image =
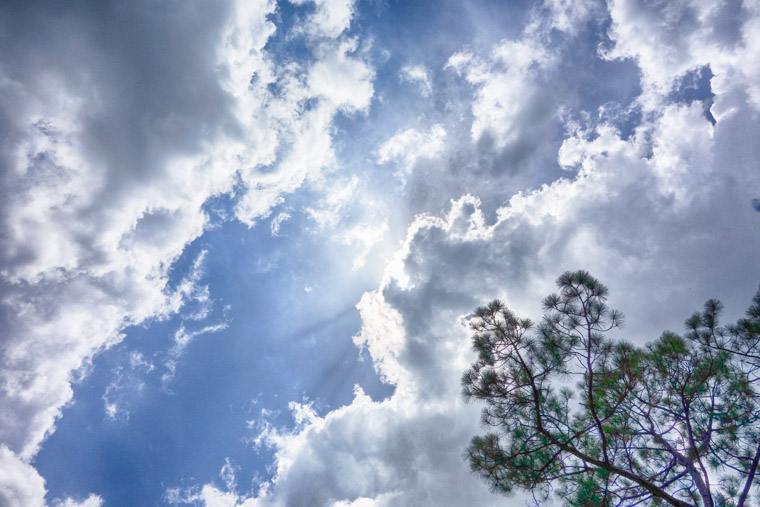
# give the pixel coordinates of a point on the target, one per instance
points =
(120, 121)
(113, 150)
(664, 216)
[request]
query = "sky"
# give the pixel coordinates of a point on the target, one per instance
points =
(240, 239)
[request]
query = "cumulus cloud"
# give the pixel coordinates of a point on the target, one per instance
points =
(506, 95)
(20, 484)
(407, 449)
(103, 188)
(330, 18)
(112, 148)
(299, 115)
(96, 232)
(669, 39)
(405, 147)
(661, 215)
(341, 78)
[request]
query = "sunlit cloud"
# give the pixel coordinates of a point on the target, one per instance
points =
(318, 193)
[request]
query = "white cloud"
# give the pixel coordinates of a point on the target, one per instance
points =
(350, 215)
(365, 236)
(336, 197)
(331, 18)
(104, 178)
(118, 395)
(96, 247)
(368, 502)
(417, 74)
(277, 222)
(91, 501)
(342, 81)
(748, 56)
(506, 92)
(372, 450)
(406, 147)
(670, 38)
(208, 496)
(663, 217)
(567, 225)
(382, 335)
(92, 221)
(195, 297)
(20, 484)
(569, 15)
(667, 39)
(342, 78)
(227, 474)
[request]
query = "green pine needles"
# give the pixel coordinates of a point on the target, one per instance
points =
(596, 422)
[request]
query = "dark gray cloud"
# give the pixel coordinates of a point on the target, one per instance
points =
(141, 85)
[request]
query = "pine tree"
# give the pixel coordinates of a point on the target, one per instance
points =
(600, 422)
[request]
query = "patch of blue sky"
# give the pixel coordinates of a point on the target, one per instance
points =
(430, 31)
(694, 86)
(290, 318)
(427, 33)
(283, 45)
(601, 87)
(583, 82)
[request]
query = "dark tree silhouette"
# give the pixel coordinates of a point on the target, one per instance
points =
(597, 422)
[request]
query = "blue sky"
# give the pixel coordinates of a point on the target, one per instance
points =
(240, 240)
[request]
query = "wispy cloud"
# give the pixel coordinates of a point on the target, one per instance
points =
(277, 222)
(127, 385)
(182, 339)
(418, 75)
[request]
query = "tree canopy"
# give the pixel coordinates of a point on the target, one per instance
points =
(592, 421)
